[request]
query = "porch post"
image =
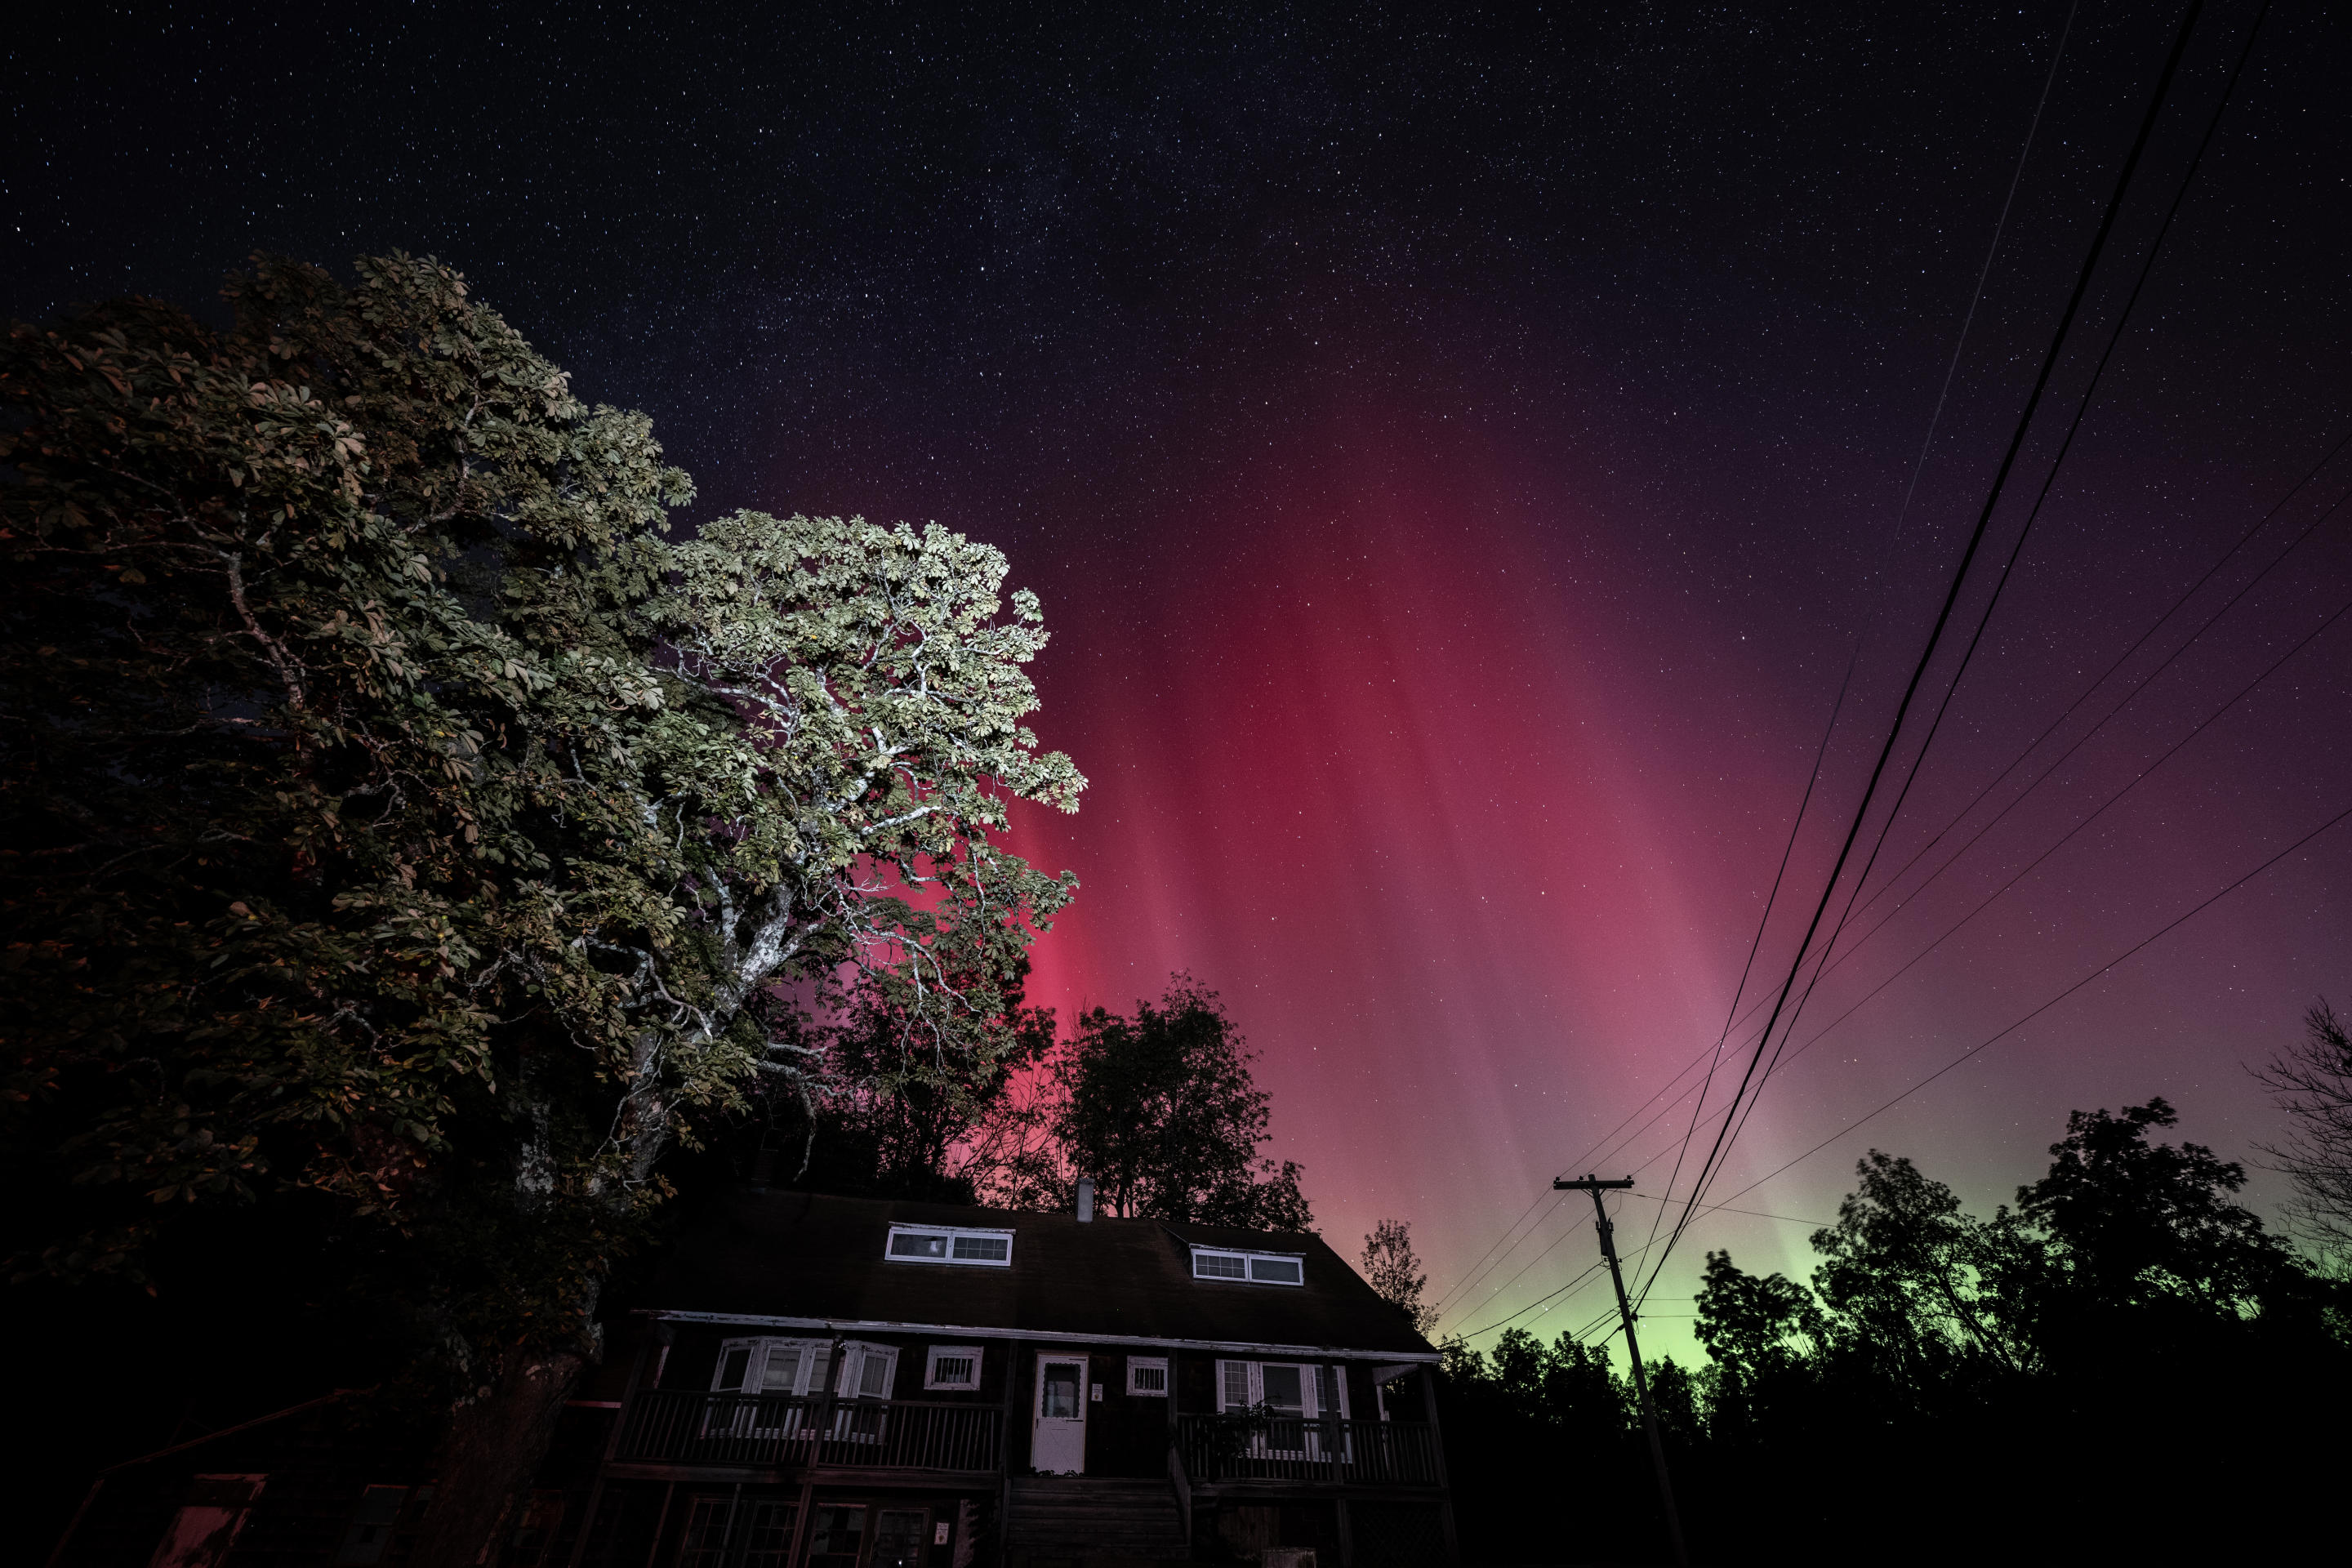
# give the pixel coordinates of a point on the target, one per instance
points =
(1437, 1453)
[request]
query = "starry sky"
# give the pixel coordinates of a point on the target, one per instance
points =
(1461, 451)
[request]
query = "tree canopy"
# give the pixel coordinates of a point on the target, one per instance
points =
(1160, 1108)
(393, 814)
(1393, 1270)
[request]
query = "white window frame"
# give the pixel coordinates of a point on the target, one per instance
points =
(1136, 1363)
(1249, 1262)
(755, 1367)
(953, 1234)
(858, 1354)
(1251, 1376)
(931, 1366)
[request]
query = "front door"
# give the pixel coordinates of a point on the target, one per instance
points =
(1057, 1443)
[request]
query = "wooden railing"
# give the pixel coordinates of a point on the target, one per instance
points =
(1307, 1449)
(680, 1428)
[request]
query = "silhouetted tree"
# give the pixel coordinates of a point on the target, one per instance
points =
(1912, 1285)
(2313, 1082)
(881, 1115)
(1396, 1273)
(2135, 1224)
(1160, 1109)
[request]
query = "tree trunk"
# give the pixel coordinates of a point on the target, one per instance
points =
(490, 1453)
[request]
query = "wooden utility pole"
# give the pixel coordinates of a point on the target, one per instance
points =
(1632, 1350)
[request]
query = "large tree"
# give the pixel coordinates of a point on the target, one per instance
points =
(393, 814)
(1160, 1108)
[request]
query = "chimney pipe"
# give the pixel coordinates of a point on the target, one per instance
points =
(1086, 1200)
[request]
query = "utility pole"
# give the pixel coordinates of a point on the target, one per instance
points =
(1632, 1350)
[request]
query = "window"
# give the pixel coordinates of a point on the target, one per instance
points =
(1286, 1388)
(1147, 1374)
(788, 1368)
(779, 1367)
(867, 1371)
(836, 1537)
(765, 1540)
(947, 1244)
(1257, 1268)
(1304, 1408)
(952, 1367)
(371, 1522)
(901, 1538)
(206, 1526)
(535, 1531)
(768, 1534)
(706, 1533)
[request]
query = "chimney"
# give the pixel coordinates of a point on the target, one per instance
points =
(1086, 1200)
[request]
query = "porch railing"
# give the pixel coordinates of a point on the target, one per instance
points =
(682, 1428)
(1307, 1449)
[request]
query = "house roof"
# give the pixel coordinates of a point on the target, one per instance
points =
(805, 1259)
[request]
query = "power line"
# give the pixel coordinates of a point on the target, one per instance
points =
(1902, 513)
(1951, 598)
(2115, 338)
(1982, 904)
(1984, 619)
(2021, 1022)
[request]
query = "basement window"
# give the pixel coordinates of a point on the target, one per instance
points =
(1255, 1268)
(949, 1244)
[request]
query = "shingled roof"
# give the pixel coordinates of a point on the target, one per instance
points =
(806, 1259)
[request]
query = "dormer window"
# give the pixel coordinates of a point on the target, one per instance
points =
(1253, 1268)
(949, 1244)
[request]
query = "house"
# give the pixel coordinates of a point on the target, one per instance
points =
(844, 1382)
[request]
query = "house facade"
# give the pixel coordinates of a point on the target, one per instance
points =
(838, 1383)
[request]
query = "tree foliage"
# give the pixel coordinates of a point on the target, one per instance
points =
(1160, 1108)
(1393, 1271)
(393, 812)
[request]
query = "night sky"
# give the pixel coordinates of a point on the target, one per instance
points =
(1458, 455)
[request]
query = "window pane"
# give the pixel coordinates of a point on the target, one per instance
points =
(820, 1368)
(905, 1245)
(1060, 1397)
(1216, 1266)
(835, 1537)
(768, 1537)
(953, 1371)
(1282, 1387)
(899, 1537)
(731, 1367)
(874, 1376)
(370, 1530)
(1327, 1390)
(1237, 1383)
(985, 1249)
(784, 1365)
(706, 1533)
(1146, 1378)
(1279, 1270)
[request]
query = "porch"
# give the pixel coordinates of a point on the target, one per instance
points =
(779, 1432)
(1296, 1451)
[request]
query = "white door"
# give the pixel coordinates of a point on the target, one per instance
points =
(1057, 1443)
